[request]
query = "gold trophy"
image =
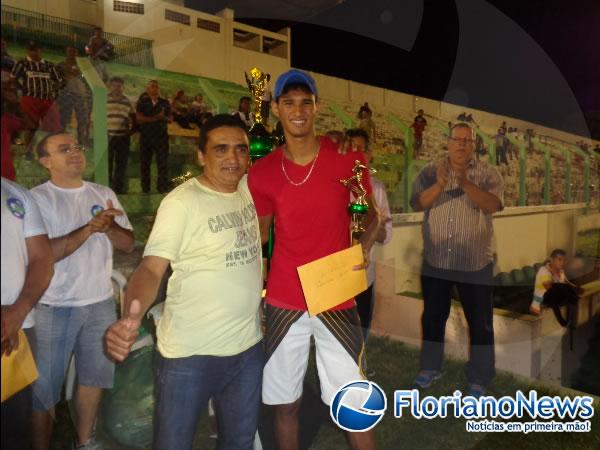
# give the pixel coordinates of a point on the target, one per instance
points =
(261, 142)
(257, 85)
(359, 207)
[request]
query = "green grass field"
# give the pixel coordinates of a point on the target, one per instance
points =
(395, 365)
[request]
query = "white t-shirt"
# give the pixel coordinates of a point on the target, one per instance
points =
(21, 219)
(83, 277)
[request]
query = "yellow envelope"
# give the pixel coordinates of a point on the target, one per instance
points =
(18, 369)
(330, 281)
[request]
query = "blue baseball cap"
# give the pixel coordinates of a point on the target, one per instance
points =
(294, 76)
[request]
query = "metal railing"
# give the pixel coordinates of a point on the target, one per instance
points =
(20, 26)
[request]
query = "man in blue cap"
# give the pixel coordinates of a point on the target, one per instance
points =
(297, 188)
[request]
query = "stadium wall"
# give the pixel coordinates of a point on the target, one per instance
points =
(218, 54)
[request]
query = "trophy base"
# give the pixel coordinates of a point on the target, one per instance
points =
(261, 141)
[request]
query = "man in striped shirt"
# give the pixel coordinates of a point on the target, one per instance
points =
(39, 81)
(458, 194)
(120, 117)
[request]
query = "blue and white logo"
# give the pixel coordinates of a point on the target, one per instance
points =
(358, 406)
(96, 210)
(16, 207)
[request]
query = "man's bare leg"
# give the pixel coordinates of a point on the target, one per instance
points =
(362, 441)
(42, 424)
(87, 402)
(286, 425)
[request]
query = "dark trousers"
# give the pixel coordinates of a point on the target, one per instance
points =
(81, 104)
(118, 155)
(16, 413)
(475, 290)
(154, 144)
(364, 306)
(16, 420)
(501, 156)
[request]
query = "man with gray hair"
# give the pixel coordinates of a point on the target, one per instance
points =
(458, 195)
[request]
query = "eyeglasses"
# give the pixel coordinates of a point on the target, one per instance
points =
(463, 141)
(67, 150)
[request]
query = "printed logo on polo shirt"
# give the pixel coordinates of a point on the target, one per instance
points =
(96, 210)
(16, 207)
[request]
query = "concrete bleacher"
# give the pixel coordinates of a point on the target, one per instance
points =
(183, 143)
(389, 148)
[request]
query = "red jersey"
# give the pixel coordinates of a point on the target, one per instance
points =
(311, 220)
(10, 124)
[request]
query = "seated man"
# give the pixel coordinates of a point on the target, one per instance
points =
(553, 271)
(209, 337)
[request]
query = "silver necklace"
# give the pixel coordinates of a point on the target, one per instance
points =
(293, 183)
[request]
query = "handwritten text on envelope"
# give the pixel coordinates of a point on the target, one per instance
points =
(330, 281)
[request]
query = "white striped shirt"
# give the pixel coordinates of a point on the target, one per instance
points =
(457, 234)
(118, 111)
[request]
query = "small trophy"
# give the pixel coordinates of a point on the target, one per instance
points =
(359, 207)
(261, 142)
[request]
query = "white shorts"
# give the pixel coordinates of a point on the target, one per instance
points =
(283, 375)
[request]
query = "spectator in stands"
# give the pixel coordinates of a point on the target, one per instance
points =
(198, 104)
(462, 117)
(503, 127)
(39, 81)
(553, 271)
(366, 121)
(458, 195)
(207, 348)
(7, 64)
(152, 114)
(597, 149)
(84, 222)
(198, 109)
(13, 120)
(120, 126)
(359, 141)
(512, 150)
(418, 126)
(100, 50)
(501, 144)
(27, 267)
(181, 110)
(528, 137)
(243, 112)
(75, 95)
(286, 191)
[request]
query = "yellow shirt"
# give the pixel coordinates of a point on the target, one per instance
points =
(213, 296)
